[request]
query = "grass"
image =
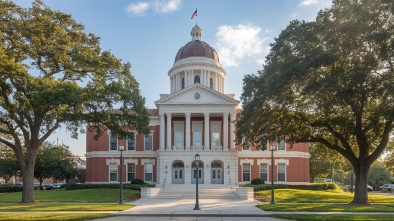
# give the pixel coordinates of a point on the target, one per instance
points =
(313, 196)
(334, 217)
(327, 207)
(64, 207)
(53, 216)
(80, 196)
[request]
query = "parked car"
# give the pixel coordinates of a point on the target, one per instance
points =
(56, 185)
(387, 188)
(370, 188)
(47, 187)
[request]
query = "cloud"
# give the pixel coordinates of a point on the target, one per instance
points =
(138, 9)
(158, 6)
(308, 2)
(236, 43)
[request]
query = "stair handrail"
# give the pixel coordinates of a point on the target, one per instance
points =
(164, 184)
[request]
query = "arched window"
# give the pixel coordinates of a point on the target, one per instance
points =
(197, 79)
(183, 83)
(211, 83)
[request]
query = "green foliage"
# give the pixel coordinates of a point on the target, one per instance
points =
(54, 161)
(137, 181)
(314, 186)
(329, 81)
(7, 188)
(379, 174)
(52, 74)
(257, 181)
(75, 186)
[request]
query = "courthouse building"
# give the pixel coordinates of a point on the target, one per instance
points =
(196, 117)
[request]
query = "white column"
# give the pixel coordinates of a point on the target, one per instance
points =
(179, 81)
(192, 72)
(162, 131)
(169, 131)
(206, 130)
(232, 117)
(208, 81)
(225, 130)
(186, 78)
(187, 130)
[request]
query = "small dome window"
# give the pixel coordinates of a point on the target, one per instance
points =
(197, 79)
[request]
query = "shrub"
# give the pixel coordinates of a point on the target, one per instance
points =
(71, 186)
(257, 181)
(7, 188)
(137, 181)
(313, 186)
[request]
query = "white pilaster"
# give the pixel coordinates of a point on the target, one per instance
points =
(187, 130)
(186, 78)
(232, 117)
(169, 131)
(206, 130)
(225, 130)
(162, 132)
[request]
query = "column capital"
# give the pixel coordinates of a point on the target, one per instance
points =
(168, 114)
(187, 114)
(206, 114)
(161, 114)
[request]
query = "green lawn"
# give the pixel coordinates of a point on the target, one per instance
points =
(331, 217)
(53, 216)
(313, 196)
(80, 196)
(319, 207)
(63, 207)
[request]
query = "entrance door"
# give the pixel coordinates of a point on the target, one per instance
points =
(178, 173)
(217, 173)
(200, 173)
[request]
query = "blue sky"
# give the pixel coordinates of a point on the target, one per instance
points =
(148, 34)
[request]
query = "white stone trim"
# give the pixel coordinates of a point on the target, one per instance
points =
(112, 160)
(246, 161)
(285, 161)
(148, 161)
(267, 161)
(126, 161)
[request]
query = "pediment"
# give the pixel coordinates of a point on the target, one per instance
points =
(197, 94)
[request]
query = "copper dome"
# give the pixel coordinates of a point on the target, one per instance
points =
(196, 48)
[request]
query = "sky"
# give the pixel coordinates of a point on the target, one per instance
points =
(149, 33)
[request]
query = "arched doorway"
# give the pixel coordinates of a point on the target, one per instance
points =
(200, 172)
(217, 172)
(178, 169)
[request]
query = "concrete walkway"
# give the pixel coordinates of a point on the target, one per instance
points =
(182, 210)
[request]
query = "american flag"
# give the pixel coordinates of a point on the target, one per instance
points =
(194, 14)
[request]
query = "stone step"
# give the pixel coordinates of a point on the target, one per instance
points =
(203, 194)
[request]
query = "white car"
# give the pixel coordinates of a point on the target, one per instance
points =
(369, 187)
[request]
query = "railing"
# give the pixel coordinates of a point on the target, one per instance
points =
(198, 148)
(231, 185)
(164, 184)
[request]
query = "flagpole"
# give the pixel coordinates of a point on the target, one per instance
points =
(196, 16)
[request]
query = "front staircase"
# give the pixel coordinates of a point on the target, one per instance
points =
(171, 193)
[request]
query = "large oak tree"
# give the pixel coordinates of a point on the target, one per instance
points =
(53, 74)
(329, 81)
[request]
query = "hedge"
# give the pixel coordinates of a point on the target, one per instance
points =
(313, 186)
(10, 188)
(75, 186)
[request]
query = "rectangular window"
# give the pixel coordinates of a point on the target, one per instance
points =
(215, 133)
(113, 141)
(179, 134)
(211, 83)
(113, 172)
(148, 170)
(264, 172)
(130, 171)
(148, 141)
(131, 142)
(197, 134)
(246, 172)
(282, 145)
(281, 172)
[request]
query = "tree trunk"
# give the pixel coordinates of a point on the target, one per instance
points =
(361, 191)
(28, 184)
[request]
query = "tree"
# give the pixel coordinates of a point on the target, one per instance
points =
(326, 163)
(330, 81)
(379, 174)
(53, 74)
(8, 163)
(55, 162)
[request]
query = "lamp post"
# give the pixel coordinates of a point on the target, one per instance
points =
(121, 148)
(197, 158)
(272, 174)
